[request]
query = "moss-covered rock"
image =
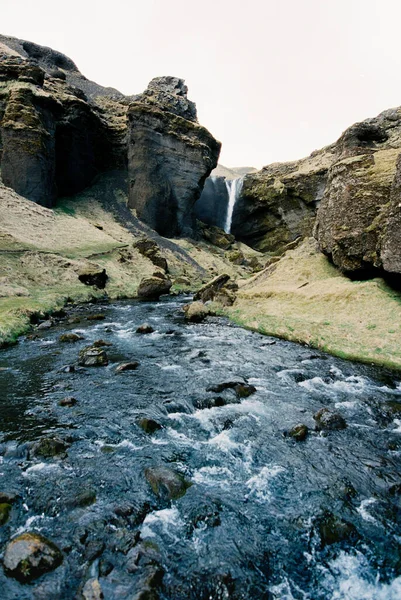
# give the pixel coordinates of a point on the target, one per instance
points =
(167, 483)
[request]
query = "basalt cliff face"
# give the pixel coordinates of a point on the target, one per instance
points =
(170, 155)
(346, 194)
(57, 129)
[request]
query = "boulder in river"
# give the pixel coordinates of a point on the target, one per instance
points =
(5, 509)
(29, 556)
(149, 425)
(68, 401)
(151, 288)
(332, 530)
(145, 328)
(90, 356)
(299, 432)
(167, 483)
(327, 419)
(210, 289)
(70, 338)
(196, 312)
(50, 447)
(128, 366)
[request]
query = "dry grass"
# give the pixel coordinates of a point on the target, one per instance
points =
(304, 298)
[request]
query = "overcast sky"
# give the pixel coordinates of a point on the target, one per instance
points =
(272, 79)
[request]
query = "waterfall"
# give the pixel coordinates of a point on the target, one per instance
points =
(234, 187)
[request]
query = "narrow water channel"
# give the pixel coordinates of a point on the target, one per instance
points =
(265, 516)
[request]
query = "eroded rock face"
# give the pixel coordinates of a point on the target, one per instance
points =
(278, 204)
(29, 556)
(169, 157)
(357, 221)
(54, 139)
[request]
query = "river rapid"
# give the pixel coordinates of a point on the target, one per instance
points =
(265, 516)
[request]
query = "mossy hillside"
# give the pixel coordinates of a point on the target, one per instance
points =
(303, 298)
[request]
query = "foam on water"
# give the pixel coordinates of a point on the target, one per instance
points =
(362, 510)
(41, 469)
(351, 578)
(259, 484)
(214, 475)
(166, 522)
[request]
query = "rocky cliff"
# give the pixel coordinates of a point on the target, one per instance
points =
(356, 223)
(57, 129)
(348, 194)
(169, 157)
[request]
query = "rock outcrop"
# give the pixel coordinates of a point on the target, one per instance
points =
(278, 204)
(169, 157)
(359, 213)
(57, 129)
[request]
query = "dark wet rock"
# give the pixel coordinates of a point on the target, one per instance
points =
(151, 288)
(145, 562)
(195, 312)
(205, 513)
(299, 432)
(333, 530)
(69, 401)
(169, 157)
(90, 356)
(101, 344)
(85, 497)
(210, 289)
(326, 419)
(96, 317)
(123, 540)
(205, 403)
(145, 328)
(217, 236)
(50, 447)
(68, 369)
(150, 249)
(149, 425)
(74, 320)
(30, 555)
(128, 366)
(94, 276)
(242, 390)
(45, 324)
(70, 338)
(395, 489)
(8, 497)
(167, 483)
(92, 590)
(5, 510)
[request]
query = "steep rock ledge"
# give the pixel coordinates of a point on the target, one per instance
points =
(169, 157)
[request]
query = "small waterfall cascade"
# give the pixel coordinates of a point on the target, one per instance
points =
(234, 187)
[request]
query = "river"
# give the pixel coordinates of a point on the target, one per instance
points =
(263, 516)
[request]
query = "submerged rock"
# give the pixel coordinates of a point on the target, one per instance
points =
(333, 530)
(30, 555)
(167, 483)
(169, 157)
(93, 357)
(50, 447)
(149, 425)
(5, 510)
(151, 288)
(326, 419)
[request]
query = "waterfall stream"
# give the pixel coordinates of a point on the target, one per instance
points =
(234, 187)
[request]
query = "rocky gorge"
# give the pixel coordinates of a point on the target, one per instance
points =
(143, 440)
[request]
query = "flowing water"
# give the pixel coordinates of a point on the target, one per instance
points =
(234, 187)
(250, 525)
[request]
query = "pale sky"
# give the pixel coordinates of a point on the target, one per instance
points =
(273, 80)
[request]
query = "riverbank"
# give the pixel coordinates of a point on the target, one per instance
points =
(303, 298)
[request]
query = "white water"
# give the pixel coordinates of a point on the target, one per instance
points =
(234, 187)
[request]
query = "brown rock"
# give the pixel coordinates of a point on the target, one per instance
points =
(210, 289)
(90, 356)
(299, 432)
(30, 555)
(151, 288)
(145, 328)
(167, 483)
(326, 419)
(129, 366)
(196, 312)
